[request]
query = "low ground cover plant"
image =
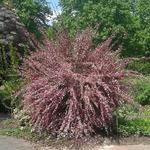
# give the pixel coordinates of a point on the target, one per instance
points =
(142, 66)
(133, 120)
(73, 88)
(142, 90)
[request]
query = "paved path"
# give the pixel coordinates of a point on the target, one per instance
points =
(126, 147)
(9, 143)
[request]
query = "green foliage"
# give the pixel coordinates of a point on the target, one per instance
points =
(32, 13)
(3, 60)
(10, 82)
(13, 57)
(128, 19)
(136, 126)
(142, 91)
(133, 121)
(7, 91)
(51, 33)
(142, 66)
(4, 102)
(9, 60)
(10, 127)
(135, 118)
(141, 88)
(1, 1)
(141, 85)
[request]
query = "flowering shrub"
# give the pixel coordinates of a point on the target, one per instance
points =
(73, 87)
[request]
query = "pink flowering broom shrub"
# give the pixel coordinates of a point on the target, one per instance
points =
(73, 88)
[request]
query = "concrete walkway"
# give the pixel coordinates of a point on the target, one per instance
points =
(126, 147)
(9, 143)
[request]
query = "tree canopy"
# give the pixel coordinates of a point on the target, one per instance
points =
(128, 19)
(33, 13)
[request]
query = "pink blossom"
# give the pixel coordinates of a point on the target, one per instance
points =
(73, 87)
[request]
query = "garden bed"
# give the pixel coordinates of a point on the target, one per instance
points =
(10, 127)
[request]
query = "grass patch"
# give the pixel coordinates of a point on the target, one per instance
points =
(142, 66)
(11, 127)
(132, 121)
(140, 89)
